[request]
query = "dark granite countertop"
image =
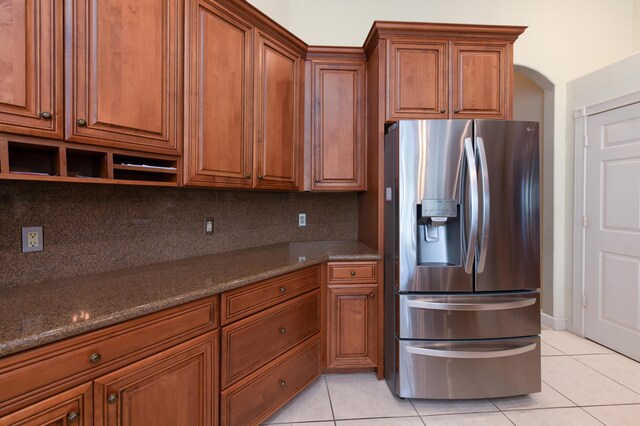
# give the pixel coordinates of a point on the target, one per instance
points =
(46, 312)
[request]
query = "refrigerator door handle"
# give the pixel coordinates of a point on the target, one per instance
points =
(486, 206)
(438, 306)
(473, 205)
(472, 354)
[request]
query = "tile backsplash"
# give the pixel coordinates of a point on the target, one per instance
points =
(95, 228)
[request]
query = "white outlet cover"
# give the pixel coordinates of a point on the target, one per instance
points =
(302, 219)
(32, 239)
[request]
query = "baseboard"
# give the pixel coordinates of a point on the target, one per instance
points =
(555, 323)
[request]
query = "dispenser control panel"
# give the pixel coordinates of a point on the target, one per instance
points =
(439, 208)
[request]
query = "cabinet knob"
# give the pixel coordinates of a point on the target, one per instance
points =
(113, 398)
(457, 111)
(73, 416)
(259, 176)
(95, 358)
(282, 383)
(282, 289)
(353, 273)
(46, 115)
(283, 330)
(82, 123)
(372, 295)
(442, 111)
(317, 180)
(247, 176)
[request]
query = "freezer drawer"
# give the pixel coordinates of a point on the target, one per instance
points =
(468, 316)
(468, 369)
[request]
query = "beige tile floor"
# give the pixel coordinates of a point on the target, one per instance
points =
(583, 384)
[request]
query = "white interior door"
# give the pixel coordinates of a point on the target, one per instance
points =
(612, 236)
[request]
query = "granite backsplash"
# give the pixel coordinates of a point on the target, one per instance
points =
(95, 228)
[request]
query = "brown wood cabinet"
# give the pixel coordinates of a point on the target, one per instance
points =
(218, 134)
(338, 113)
(173, 387)
(124, 73)
(278, 113)
(352, 312)
(71, 407)
(31, 68)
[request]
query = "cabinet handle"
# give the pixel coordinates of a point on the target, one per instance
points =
(73, 416)
(247, 176)
(372, 295)
(317, 180)
(282, 289)
(282, 383)
(95, 358)
(442, 111)
(111, 399)
(353, 273)
(46, 115)
(82, 123)
(283, 330)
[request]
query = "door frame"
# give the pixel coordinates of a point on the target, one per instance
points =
(580, 118)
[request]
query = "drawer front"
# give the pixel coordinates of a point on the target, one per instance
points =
(244, 301)
(468, 369)
(468, 316)
(45, 368)
(254, 399)
(254, 341)
(358, 272)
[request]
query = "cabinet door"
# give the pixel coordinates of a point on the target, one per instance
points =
(174, 387)
(481, 79)
(72, 407)
(351, 327)
(418, 83)
(31, 67)
(218, 89)
(338, 126)
(124, 72)
(277, 115)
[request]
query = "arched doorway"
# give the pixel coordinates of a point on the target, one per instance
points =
(533, 99)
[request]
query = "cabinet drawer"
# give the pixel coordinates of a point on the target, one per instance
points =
(255, 398)
(245, 301)
(254, 341)
(41, 371)
(360, 272)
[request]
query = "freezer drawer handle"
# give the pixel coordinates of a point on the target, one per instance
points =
(472, 354)
(514, 304)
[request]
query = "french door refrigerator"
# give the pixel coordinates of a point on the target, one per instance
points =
(462, 258)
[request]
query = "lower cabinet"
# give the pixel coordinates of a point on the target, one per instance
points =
(174, 387)
(352, 309)
(72, 407)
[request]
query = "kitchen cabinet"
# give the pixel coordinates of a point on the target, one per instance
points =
(71, 407)
(278, 114)
(338, 113)
(218, 133)
(176, 386)
(352, 309)
(231, 65)
(31, 68)
(269, 345)
(123, 74)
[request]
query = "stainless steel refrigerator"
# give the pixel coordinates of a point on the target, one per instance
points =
(462, 258)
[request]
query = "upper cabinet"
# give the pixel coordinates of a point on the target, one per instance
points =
(337, 110)
(218, 141)
(447, 71)
(278, 113)
(124, 74)
(31, 67)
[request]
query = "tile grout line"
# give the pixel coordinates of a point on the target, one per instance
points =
(601, 373)
(326, 384)
(565, 396)
(594, 417)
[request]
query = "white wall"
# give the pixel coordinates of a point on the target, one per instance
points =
(565, 39)
(636, 25)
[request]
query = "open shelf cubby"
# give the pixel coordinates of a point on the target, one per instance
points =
(128, 167)
(86, 164)
(33, 159)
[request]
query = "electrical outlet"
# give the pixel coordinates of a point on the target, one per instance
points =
(208, 227)
(302, 219)
(32, 239)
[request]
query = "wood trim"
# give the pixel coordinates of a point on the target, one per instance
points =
(380, 325)
(4, 155)
(334, 52)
